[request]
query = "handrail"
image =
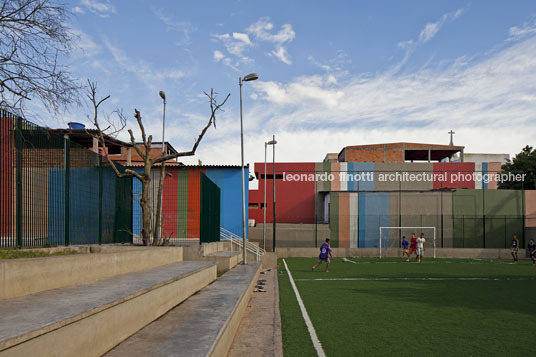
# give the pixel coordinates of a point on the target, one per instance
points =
(236, 239)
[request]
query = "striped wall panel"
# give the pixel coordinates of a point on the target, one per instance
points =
(194, 203)
(530, 208)
(169, 205)
(334, 219)
(182, 203)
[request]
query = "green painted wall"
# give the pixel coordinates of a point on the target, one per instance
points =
(487, 218)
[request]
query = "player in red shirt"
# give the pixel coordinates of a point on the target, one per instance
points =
(412, 246)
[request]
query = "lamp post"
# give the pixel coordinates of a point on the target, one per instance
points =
(162, 170)
(264, 202)
(247, 78)
(271, 142)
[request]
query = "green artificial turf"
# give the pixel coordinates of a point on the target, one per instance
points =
(418, 316)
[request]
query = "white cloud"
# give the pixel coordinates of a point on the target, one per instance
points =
(103, 9)
(78, 10)
(527, 29)
(261, 30)
(235, 44)
(489, 103)
(151, 77)
(429, 31)
(185, 28)
(84, 44)
(242, 37)
(282, 55)
(218, 56)
(334, 64)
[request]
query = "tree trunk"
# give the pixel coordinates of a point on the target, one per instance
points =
(159, 217)
(146, 226)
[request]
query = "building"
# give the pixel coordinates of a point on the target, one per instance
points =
(183, 202)
(392, 185)
(183, 212)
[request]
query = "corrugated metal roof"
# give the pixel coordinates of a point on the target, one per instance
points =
(217, 166)
(179, 164)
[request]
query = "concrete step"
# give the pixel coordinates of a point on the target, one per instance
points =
(91, 318)
(19, 277)
(204, 325)
(225, 260)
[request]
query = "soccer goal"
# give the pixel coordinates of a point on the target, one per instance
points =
(418, 230)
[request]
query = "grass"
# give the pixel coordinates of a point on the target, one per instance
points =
(12, 253)
(418, 309)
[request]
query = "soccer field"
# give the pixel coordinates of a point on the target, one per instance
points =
(442, 307)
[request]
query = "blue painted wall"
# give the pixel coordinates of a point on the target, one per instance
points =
(230, 183)
(357, 168)
(136, 208)
(56, 206)
(373, 213)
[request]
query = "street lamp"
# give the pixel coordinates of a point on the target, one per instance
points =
(271, 142)
(247, 78)
(163, 96)
(162, 170)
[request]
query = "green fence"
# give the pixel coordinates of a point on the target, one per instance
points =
(57, 192)
(210, 210)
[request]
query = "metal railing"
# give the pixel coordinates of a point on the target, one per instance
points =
(235, 239)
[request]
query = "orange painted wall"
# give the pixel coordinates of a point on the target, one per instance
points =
(530, 208)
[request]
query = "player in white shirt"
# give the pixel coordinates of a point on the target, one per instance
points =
(420, 247)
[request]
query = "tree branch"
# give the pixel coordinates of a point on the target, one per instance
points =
(214, 107)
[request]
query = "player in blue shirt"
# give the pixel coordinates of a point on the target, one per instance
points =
(325, 254)
(532, 251)
(405, 245)
(515, 247)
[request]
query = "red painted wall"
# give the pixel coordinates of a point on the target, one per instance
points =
(458, 175)
(169, 204)
(295, 200)
(194, 203)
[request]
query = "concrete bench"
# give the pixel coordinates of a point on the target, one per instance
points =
(19, 277)
(91, 318)
(225, 260)
(204, 325)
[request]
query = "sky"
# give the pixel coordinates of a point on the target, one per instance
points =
(331, 73)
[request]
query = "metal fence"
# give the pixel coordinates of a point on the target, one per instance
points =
(362, 231)
(210, 210)
(57, 192)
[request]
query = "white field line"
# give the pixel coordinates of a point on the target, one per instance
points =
(312, 332)
(418, 279)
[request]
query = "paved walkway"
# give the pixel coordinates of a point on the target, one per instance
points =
(259, 333)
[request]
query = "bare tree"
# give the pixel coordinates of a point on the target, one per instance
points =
(33, 37)
(145, 153)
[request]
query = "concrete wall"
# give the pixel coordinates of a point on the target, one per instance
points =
(21, 277)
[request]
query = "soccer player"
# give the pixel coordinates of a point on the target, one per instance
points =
(420, 247)
(515, 247)
(532, 251)
(325, 254)
(412, 246)
(405, 245)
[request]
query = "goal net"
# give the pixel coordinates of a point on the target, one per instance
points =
(391, 237)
